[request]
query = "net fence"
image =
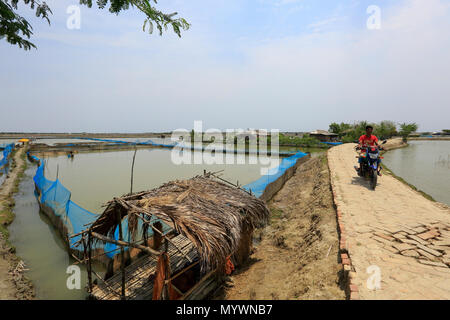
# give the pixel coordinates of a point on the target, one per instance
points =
(257, 187)
(75, 219)
(7, 149)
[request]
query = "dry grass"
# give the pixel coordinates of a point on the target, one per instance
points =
(297, 255)
(208, 212)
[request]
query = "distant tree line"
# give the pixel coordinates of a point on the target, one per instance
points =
(283, 140)
(383, 130)
(304, 141)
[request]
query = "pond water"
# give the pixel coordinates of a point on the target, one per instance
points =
(424, 164)
(4, 142)
(38, 243)
(93, 179)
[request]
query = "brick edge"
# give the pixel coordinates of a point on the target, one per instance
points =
(348, 270)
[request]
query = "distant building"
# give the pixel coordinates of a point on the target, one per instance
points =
(324, 136)
(293, 134)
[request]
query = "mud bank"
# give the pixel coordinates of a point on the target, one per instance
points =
(446, 138)
(13, 283)
(394, 143)
(297, 254)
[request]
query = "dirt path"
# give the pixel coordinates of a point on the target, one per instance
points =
(13, 284)
(401, 235)
(297, 257)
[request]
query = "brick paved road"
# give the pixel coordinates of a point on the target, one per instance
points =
(393, 229)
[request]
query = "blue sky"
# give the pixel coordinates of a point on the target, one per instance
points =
(284, 64)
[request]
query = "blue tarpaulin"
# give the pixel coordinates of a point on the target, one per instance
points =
(5, 159)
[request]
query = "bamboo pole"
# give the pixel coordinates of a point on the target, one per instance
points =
(165, 291)
(165, 237)
(132, 171)
(105, 253)
(122, 255)
(89, 264)
(125, 244)
(86, 258)
(108, 286)
(198, 284)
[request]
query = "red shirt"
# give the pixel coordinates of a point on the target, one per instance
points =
(364, 140)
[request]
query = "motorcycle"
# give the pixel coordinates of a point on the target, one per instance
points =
(369, 167)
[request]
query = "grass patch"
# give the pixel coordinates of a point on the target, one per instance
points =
(276, 215)
(324, 160)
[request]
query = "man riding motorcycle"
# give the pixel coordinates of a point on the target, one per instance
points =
(368, 140)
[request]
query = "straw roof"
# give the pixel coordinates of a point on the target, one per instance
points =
(322, 132)
(210, 213)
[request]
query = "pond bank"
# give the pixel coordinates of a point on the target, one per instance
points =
(13, 282)
(303, 235)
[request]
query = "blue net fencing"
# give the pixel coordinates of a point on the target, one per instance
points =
(112, 249)
(137, 142)
(257, 187)
(175, 144)
(7, 149)
(332, 143)
(55, 196)
(75, 218)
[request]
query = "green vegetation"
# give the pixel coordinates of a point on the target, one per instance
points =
(17, 30)
(383, 130)
(406, 129)
(305, 141)
(277, 213)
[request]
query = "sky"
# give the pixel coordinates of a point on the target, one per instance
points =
(292, 65)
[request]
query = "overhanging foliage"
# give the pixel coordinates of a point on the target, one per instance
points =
(17, 30)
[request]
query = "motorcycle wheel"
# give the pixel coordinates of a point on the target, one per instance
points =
(374, 179)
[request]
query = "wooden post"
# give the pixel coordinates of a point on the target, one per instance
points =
(89, 262)
(126, 244)
(145, 234)
(122, 255)
(132, 170)
(165, 291)
(157, 236)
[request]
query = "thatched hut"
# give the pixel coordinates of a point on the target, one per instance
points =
(210, 225)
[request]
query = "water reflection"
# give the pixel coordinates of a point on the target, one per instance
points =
(424, 164)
